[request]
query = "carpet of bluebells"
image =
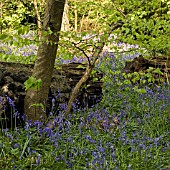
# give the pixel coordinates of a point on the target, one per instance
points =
(127, 130)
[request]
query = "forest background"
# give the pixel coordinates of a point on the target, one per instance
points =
(145, 30)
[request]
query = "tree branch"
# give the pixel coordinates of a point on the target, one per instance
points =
(84, 78)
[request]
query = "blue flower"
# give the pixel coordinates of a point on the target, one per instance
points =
(16, 145)
(48, 131)
(38, 160)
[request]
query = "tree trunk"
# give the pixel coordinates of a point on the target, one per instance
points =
(38, 18)
(43, 68)
(75, 16)
(65, 21)
(1, 14)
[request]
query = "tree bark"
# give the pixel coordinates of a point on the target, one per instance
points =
(44, 63)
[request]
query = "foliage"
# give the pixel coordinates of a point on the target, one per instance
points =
(138, 138)
(17, 13)
(150, 76)
(33, 83)
(146, 23)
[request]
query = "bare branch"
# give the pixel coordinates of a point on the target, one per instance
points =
(75, 45)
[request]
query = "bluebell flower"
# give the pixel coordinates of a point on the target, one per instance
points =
(16, 114)
(38, 160)
(48, 131)
(10, 137)
(10, 101)
(156, 142)
(16, 145)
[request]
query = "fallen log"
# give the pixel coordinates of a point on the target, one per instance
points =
(65, 77)
(142, 64)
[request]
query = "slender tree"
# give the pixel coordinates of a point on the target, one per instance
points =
(65, 26)
(44, 64)
(1, 13)
(38, 17)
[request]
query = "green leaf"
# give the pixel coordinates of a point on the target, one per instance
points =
(15, 151)
(95, 79)
(3, 36)
(141, 91)
(149, 80)
(19, 31)
(93, 72)
(33, 83)
(127, 82)
(38, 105)
(29, 83)
(25, 146)
(80, 66)
(39, 84)
(158, 71)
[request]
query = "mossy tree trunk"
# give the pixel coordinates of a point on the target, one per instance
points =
(43, 68)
